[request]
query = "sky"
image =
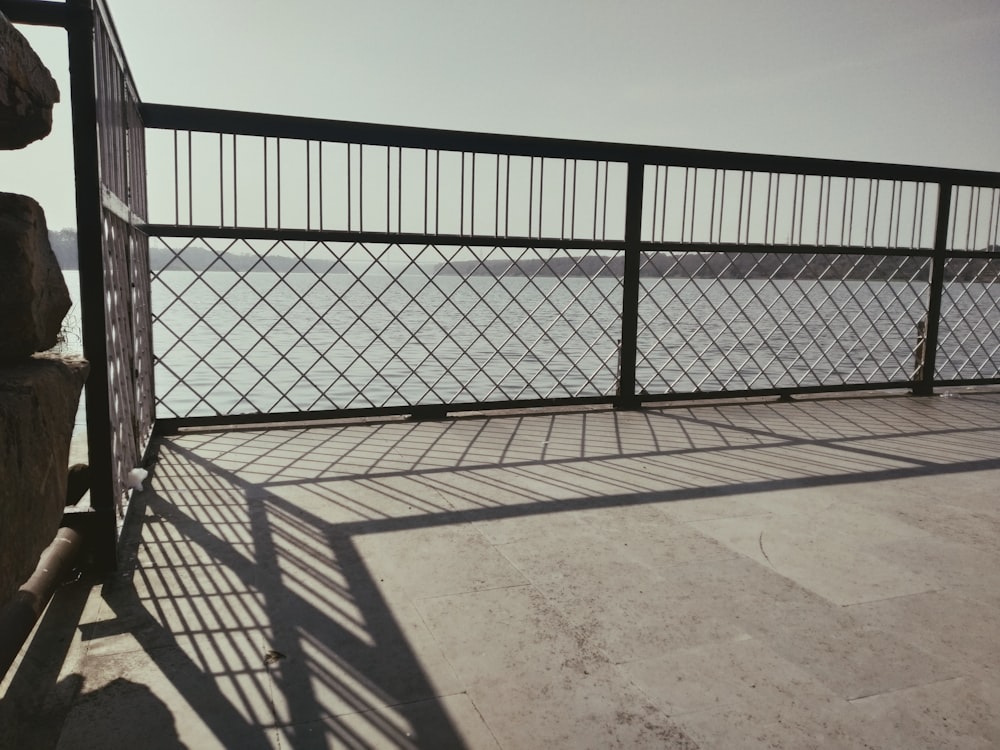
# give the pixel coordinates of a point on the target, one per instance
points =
(904, 81)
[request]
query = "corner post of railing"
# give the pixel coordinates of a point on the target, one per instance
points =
(626, 397)
(83, 95)
(924, 384)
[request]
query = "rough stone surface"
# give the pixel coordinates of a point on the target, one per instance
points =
(38, 401)
(33, 294)
(27, 91)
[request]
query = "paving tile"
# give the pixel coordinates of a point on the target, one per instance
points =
(962, 570)
(449, 721)
(632, 612)
(438, 560)
(962, 632)
(739, 675)
(841, 509)
(557, 707)
(803, 727)
(818, 556)
(330, 669)
(556, 524)
(485, 633)
(979, 528)
(951, 713)
(601, 549)
(151, 606)
(707, 508)
(857, 662)
(355, 502)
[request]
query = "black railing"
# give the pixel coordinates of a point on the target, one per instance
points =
(376, 269)
(109, 162)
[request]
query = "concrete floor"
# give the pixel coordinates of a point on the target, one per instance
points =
(819, 573)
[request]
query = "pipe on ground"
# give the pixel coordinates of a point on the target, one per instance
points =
(19, 615)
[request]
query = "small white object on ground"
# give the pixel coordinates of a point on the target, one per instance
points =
(135, 477)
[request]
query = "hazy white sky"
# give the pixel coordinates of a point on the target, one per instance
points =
(910, 81)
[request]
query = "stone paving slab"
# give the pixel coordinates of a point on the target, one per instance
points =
(820, 573)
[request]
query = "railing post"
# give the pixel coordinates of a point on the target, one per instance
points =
(83, 95)
(626, 397)
(924, 386)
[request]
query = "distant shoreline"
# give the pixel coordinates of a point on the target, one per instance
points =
(779, 263)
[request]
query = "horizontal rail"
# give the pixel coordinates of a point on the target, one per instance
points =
(199, 119)
(38, 12)
(172, 425)
(464, 240)
(393, 238)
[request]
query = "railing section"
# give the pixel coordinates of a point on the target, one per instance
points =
(968, 348)
(111, 202)
(307, 267)
(121, 141)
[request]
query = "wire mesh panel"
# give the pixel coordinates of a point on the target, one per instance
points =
(969, 336)
(124, 257)
(779, 281)
(251, 326)
(127, 317)
(715, 321)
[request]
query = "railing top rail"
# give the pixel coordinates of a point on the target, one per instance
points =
(36, 12)
(198, 119)
(64, 15)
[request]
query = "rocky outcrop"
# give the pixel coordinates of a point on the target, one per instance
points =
(27, 91)
(39, 393)
(33, 294)
(38, 401)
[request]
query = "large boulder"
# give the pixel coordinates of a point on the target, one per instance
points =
(38, 401)
(33, 294)
(27, 91)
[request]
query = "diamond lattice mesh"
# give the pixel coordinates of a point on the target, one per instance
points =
(969, 331)
(716, 321)
(262, 327)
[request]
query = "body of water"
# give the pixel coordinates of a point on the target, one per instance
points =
(266, 342)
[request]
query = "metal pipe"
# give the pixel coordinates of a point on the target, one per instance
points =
(19, 615)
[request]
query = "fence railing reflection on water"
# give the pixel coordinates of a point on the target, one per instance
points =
(316, 268)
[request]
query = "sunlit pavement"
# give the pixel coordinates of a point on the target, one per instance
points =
(819, 573)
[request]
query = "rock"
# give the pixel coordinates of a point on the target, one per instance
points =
(33, 295)
(38, 401)
(27, 91)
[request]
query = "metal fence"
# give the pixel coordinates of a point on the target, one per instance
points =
(124, 252)
(109, 162)
(301, 268)
(307, 268)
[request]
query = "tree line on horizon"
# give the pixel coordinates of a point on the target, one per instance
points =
(199, 259)
(808, 263)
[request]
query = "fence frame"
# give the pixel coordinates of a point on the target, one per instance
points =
(636, 158)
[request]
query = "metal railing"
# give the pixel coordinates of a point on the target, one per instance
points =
(309, 268)
(293, 268)
(109, 162)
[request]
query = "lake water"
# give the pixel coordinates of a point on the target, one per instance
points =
(264, 342)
